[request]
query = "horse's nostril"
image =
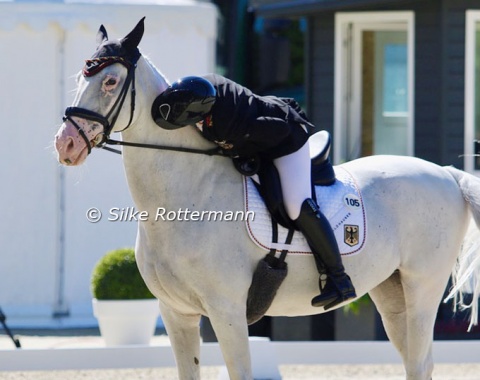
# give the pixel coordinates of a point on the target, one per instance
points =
(70, 144)
(65, 149)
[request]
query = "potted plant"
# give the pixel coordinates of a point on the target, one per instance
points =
(126, 310)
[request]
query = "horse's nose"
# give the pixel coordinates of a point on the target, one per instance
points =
(65, 148)
(72, 148)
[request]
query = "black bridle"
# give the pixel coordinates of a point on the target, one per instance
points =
(94, 66)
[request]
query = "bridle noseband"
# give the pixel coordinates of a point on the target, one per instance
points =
(94, 66)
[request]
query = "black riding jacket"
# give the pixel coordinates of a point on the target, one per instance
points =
(245, 124)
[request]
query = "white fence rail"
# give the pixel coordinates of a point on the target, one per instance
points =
(264, 354)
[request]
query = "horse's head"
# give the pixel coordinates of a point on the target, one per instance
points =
(105, 98)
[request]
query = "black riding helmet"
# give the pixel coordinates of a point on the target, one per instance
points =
(185, 102)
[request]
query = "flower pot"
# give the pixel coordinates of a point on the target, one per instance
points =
(124, 322)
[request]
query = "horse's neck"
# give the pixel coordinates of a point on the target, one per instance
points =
(176, 180)
(173, 179)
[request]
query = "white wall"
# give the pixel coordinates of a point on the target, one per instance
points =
(47, 255)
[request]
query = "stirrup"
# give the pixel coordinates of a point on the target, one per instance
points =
(341, 298)
(324, 300)
(332, 294)
(328, 291)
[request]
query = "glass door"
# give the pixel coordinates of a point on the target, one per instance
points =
(373, 85)
(384, 93)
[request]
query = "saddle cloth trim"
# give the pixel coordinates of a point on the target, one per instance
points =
(301, 247)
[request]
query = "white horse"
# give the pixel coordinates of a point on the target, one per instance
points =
(418, 217)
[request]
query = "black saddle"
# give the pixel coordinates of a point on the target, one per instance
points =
(269, 185)
(322, 169)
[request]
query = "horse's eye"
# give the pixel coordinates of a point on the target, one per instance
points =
(111, 82)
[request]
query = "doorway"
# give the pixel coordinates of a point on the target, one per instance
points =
(373, 84)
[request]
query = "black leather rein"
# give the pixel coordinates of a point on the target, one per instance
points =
(217, 151)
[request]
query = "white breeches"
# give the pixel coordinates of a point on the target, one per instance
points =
(295, 177)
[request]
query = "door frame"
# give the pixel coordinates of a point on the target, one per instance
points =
(348, 68)
(472, 18)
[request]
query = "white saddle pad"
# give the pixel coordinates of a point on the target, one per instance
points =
(341, 203)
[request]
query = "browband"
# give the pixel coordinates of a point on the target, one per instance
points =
(95, 65)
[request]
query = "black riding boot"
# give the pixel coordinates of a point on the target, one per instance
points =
(318, 232)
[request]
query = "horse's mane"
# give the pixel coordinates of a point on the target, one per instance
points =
(156, 69)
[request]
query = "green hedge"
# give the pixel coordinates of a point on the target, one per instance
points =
(116, 277)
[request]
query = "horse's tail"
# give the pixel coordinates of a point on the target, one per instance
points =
(466, 274)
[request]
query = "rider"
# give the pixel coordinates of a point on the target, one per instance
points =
(244, 124)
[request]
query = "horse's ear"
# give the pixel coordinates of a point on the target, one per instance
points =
(102, 35)
(132, 39)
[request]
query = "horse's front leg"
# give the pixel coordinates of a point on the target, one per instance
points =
(184, 333)
(230, 326)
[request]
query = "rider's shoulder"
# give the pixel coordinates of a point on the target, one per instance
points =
(219, 80)
(214, 78)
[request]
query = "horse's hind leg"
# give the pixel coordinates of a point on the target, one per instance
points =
(411, 332)
(390, 302)
(422, 300)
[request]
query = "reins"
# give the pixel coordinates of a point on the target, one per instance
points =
(209, 152)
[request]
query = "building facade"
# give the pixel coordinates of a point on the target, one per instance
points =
(391, 77)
